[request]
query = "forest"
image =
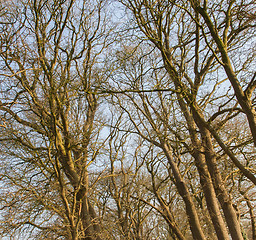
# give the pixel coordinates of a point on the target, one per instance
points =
(127, 120)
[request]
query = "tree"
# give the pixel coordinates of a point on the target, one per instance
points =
(50, 60)
(142, 130)
(157, 22)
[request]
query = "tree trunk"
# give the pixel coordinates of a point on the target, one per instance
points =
(205, 178)
(222, 195)
(193, 219)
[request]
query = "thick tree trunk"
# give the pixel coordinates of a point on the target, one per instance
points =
(205, 178)
(90, 221)
(229, 212)
(91, 227)
(193, 219)
(221, 192)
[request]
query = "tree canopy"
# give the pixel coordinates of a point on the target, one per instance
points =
(127, 119)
